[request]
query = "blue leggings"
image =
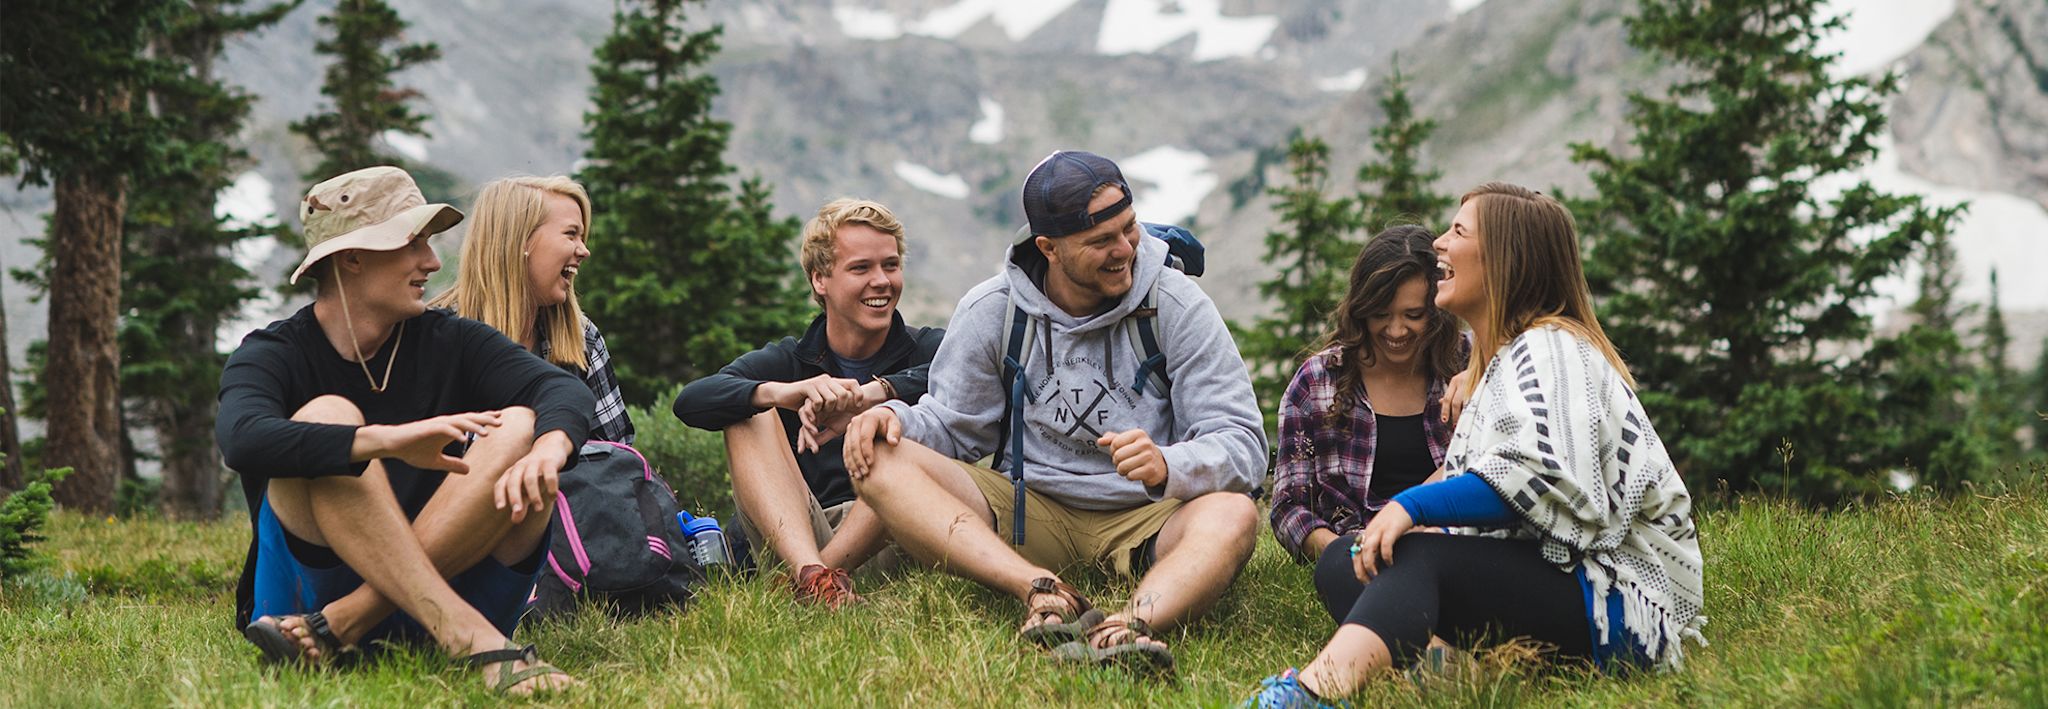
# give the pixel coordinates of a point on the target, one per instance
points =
(288, 584)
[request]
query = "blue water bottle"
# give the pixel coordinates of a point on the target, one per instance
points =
(707, 541)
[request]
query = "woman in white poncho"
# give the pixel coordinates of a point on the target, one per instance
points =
(1571, 527)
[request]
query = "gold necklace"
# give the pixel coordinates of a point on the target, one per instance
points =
(356, 345)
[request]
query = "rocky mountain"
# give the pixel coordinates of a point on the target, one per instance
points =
(939, 107)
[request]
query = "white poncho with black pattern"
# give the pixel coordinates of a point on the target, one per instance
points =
(1555, 430)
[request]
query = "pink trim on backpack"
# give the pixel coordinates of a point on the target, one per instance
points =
(574, 585)
(658, 546)
(575, 538)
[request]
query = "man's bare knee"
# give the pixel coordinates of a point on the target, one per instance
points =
(506, 442)
(329, 409)
(761, 424)
(892, 463)
(1224, 521)
(1229, 512)
(517, 421)
(752, 443)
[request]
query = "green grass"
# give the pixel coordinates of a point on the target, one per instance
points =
(1912, 601)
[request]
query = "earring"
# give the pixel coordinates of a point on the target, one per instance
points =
(524, 254)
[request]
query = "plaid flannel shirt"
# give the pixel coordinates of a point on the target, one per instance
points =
(611, 423)
(1324, 472)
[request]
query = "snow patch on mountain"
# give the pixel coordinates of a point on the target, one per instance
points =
(1345, 82)
(933, 181)
(1998, 230)
(1172, 182)
(1017, 19)
(866, 23)
(1460, 7)
(411, 146)
(1879, 32)
(989, 129)
(1144, 26)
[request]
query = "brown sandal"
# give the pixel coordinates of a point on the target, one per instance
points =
(1063, 614)
(1135, 649)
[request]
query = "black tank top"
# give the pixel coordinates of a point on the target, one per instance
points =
(1402, 459)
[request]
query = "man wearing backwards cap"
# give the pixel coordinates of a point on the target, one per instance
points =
(345, 421)
(1118, 476)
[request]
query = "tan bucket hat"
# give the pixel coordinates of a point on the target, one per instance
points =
(374, 209)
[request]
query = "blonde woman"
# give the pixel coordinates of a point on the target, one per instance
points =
(527, 239)
(1597, 555)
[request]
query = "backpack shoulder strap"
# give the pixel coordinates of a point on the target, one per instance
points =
(1142, 327)
(1017, 337)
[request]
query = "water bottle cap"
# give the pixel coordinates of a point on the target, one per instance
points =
(684, 516)
(701, 524)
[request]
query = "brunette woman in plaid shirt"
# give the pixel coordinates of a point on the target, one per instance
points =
(1362, 419)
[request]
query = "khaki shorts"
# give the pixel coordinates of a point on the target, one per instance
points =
(1059, 537)
(825, 522)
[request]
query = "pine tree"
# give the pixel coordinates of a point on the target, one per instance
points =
(687, 276)
(179, 281)
(1404, 195)
(1921, 388)
(2037, 417)
(1998, 392)
(1727, 284)
(366, 100)
(70, 77)
(1310, 255)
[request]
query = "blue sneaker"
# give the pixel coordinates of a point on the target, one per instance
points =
(1285, 691)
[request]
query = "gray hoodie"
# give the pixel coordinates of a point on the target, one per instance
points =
(1211, 431)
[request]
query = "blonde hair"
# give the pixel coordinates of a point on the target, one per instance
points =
(490, 283)
(820, 249)
(1529, 246)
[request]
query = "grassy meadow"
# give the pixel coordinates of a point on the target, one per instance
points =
(1912, 601)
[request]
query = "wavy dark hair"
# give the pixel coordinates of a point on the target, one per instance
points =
(1388, 260)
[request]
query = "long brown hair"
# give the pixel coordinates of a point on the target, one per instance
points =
(1388, 260)
(490, 283)
(1529, 252)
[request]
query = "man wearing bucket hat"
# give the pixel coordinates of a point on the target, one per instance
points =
(399, 463)
(1108, 456)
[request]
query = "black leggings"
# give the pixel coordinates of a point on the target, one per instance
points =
(1466, 590)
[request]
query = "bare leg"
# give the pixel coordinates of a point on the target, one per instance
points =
(1353, 656)
(769, 489)
(934, 510)
(860, 536)
(460, 525)
(361, 521)
(1201, 548)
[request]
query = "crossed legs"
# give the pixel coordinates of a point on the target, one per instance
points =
(405, 564)
(935, 511)
(770, 491)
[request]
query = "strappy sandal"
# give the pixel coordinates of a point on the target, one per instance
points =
(1063, 614)
(1136, 651)
(508, 677)
(281, 648)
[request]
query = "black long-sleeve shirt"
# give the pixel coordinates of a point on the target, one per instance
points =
(445, 365)
(726, 398)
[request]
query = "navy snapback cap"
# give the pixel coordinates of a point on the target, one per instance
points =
(1057, 192)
